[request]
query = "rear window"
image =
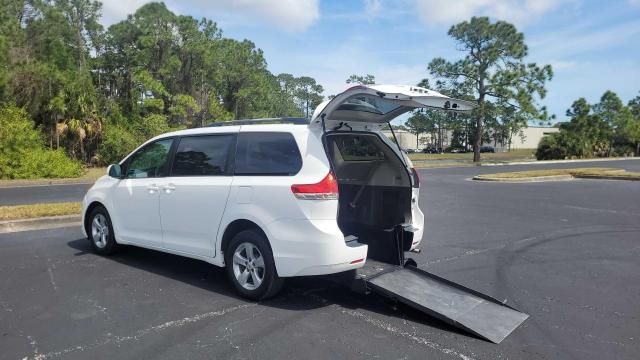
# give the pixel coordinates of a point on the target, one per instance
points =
(202, 155)
(370, 104)
(358, 147)
(267, 153)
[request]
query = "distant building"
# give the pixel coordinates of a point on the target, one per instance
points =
(527, 139)
(408, 140)
(530, 137)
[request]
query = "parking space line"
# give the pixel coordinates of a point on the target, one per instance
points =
(405, 334)
(111, 339)
(380, 324)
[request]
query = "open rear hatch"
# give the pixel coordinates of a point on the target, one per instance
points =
(364, 105)
(375, 200)
(374, 188)
(374, 178)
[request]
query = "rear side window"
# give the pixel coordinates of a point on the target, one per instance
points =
(267, 153)
(202, 155)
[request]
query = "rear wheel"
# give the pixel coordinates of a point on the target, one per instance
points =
(250, 266)
(100, 232)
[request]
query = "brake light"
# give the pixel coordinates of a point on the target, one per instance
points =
(326, 189)
(416, 178)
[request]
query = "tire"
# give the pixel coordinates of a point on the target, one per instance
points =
(100, 232)
(252, 278)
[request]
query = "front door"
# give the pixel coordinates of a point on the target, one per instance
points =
(137, 196)
(194, 195)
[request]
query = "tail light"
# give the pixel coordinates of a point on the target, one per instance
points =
(416, 178)
(326, 189)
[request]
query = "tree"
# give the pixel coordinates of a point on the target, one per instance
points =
(612, 111)
(586, 134)
(419, 123)
(493, 71)
(95, 94)
(82, 18)
(632, 127)
(362, 80)
(309, 94)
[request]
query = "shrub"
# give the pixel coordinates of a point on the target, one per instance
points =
(41, 163)
(623, 150)
(117, 142)
(550, 149)
(22, 154)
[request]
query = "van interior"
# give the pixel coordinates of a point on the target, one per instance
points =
(374, 193)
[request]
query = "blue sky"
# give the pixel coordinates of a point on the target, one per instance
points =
(593, 46)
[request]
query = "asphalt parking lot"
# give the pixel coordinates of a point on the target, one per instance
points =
(567, 253)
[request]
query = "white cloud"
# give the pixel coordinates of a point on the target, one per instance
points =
(290, 15)
(518, 11)
(572, 42)
(372, 8)
(114, 11)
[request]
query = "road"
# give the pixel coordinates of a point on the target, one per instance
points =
(75, 192)
(566, 253)
(42, 194)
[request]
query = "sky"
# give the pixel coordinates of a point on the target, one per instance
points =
(593, 46)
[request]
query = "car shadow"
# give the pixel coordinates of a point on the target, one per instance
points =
(300, 293)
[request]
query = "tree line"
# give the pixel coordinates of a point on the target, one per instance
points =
(607, 128)
(74, 93)
(94, 93)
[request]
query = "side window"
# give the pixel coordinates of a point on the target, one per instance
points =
(202, 155)
(149, 161)
(267, 153)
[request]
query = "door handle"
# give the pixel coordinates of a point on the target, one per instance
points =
(168, 188)
(153, 188)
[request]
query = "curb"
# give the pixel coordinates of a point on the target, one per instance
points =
(603, 177)
(44, 183)
(525, 179)
(49, 222)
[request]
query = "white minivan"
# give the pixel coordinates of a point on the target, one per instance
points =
(270, 198)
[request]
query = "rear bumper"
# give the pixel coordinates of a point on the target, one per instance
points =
(313, 247)
(417, 239)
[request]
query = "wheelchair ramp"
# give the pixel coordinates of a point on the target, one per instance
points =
(452, 303)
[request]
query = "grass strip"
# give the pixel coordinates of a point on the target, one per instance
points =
(90, 175)
(17, 212)
(607, 173)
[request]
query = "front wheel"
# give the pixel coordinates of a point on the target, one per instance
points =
(250, 266)
(100, 232)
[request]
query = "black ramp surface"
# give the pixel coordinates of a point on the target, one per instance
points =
(452, 303)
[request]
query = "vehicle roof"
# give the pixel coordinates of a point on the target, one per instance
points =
(263, 121)
(264, 124)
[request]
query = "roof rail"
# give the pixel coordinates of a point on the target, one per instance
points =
(282, 120)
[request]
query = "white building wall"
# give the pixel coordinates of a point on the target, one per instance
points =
(531, 137)
(408, 140)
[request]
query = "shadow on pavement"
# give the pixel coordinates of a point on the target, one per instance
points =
(302, 293)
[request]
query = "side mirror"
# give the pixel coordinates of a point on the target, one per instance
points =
(115, 171)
